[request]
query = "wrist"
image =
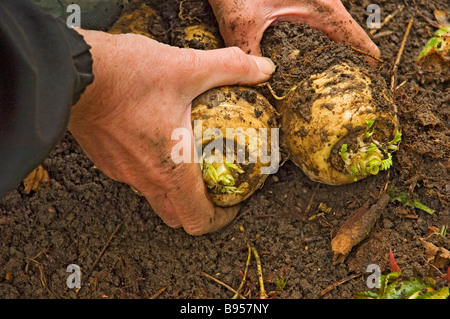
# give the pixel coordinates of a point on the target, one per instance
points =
(100, 91)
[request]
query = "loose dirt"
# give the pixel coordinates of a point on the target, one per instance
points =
(125, 251)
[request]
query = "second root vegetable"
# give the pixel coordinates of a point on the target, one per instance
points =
(338, 119)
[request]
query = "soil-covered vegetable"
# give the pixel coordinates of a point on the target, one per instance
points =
(338, 119)
(72, 219)
(236, 141)
(232, 150)
(140, 18)
(196, 27)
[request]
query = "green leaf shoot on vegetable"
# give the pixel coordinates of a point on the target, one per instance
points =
(371, 156)
(368, 134)
(220, 175)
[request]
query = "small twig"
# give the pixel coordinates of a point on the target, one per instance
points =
(388, 18)
(337, 283)
(104, 248)
(245, 273)
(366, 53)
(434, 24)
(159, 292)
(43, 251)
(401, 84)
(399, 54)
(317, 50)
(41, 270)
(311, 199)
(262, 293)
(275, 96)
(102, 252)
(44, 281)
(220, 282)
(382, 34)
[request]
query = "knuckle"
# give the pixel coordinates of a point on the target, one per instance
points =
(198, 229)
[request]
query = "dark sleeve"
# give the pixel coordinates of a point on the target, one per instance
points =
(44, 68)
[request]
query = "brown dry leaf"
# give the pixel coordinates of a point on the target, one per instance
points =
(35, 178)
(437, 256)
(441, 18)
(356, 228)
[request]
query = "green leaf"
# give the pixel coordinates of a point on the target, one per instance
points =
(404, 199)
(419, 205)
(443, 293)
(366, 295)
(371, 149)
(369, 125)
(436, 43)
(343, 151)
(386, 163)
(411, 286)
(442, 31)
(386, 280)
(397, 138)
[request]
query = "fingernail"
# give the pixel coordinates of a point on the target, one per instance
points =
(265, 65)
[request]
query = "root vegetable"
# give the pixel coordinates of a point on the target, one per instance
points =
(236, 156)
(338, 119)
(136, 18)
(196, 27)
(199, 37)
(236, 141)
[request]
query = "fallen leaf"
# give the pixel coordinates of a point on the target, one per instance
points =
(437, 256)
(441, 18)
(356, 228)
(33, 181)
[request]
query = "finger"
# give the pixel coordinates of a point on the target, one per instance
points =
(228, 66)
(192, 204)
(163, 207)
(345, 29)
(247, 38)
(333, 20)
(241, 23)
(190, 201)
(181, 198)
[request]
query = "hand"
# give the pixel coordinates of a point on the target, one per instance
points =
(142, 91)
(242, 23)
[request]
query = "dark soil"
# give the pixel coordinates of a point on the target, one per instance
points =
(82, 211)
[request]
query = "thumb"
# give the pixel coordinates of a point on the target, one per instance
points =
(228, 66)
